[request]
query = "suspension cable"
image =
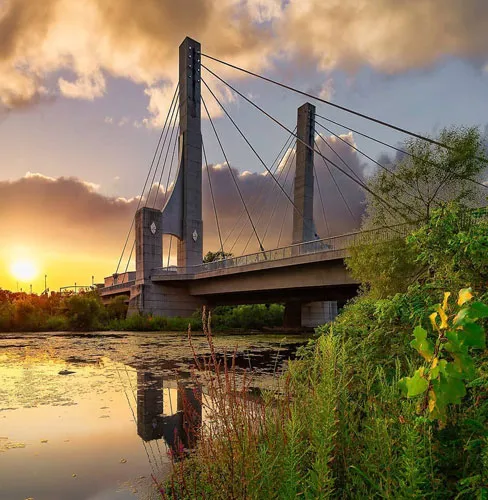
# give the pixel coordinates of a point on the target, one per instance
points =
(169, 249)
(343, 108)
(154, 206)
(337, 187)
(213, 200)
(408, 207)
(290, 167)
(172, 125)
(166, 188)
(260, 159)
(264, 205)
(257, 198)
(395, 148)
(406, 191)
(286, 212)
(232, 173)
(159, 184)
(174, 133)
(144, 187)
(321, 200)
(360, 152)
(362, 184)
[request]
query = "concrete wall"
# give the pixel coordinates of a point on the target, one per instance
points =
(318, 313)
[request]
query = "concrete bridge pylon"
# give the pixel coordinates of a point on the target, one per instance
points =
(182, 213)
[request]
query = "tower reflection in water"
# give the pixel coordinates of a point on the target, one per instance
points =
(168, 409)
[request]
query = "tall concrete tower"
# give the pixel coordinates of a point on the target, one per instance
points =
(190, 246)
(303, 225)
(182, 214)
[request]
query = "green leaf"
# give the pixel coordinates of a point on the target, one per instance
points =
(454, 344)
(478, 310)
(417, 384)
(440, 368)
(402, 385)
(461, 316)
(473, 335)
(422, 344)
(452, 389)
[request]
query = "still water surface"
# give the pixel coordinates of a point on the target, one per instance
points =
(91, 416)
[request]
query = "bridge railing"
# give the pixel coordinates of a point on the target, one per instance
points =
(330, 244)
(118, 286)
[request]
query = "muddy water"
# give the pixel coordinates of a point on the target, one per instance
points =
(92, 416)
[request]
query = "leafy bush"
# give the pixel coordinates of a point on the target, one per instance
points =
(249, 317)
(84, 311)
(117, 307)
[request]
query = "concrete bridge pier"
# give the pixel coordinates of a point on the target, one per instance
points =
(146, 296)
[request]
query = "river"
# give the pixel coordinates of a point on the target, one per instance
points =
(90, 416)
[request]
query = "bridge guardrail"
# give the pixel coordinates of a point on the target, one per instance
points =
(333, 243)
(118, 286)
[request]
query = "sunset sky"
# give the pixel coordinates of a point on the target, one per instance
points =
(85, 86)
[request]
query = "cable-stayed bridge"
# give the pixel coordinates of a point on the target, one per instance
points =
(309, 275)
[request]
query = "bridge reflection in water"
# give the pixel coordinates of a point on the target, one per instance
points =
(168, 409)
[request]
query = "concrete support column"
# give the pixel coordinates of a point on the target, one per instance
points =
(293, 315)
(303, 225)
(190, 247)
(149, 243)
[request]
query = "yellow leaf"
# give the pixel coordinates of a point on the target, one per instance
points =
(432, 318)
(443, 317)
(434, 362)
(464, 295)
(432, 401)
(446, 298)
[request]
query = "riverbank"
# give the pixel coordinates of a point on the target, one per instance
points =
(86, 312)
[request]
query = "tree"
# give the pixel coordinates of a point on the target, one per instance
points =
(219, 255)
(453, 248)
(429, 177)
(385, 267)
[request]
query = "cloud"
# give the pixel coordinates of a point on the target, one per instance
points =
(72, 215)
(93, 39)
(114, 37)
(325, 90)
(389, 35)
(86, 87)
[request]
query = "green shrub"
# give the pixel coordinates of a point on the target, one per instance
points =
(84, 311)
(117, 307)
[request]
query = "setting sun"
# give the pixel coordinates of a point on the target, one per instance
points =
(23, 270)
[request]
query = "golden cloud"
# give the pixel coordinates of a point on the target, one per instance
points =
(138, 40)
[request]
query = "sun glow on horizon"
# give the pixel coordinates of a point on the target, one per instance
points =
(24, 269)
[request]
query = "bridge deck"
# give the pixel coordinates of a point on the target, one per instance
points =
(332, 248)
(312, 252)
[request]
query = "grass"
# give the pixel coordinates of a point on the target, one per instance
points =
(332, 428)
